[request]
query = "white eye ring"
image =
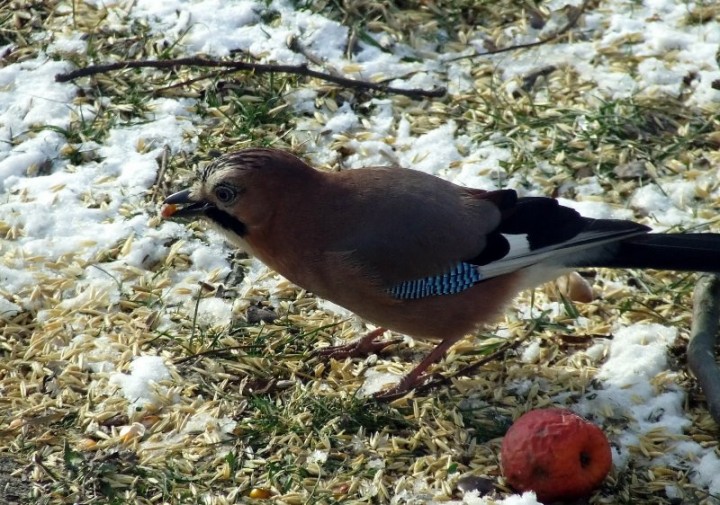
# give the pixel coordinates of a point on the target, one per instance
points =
(225, 194)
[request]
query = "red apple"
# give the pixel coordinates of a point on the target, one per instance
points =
(555, 453)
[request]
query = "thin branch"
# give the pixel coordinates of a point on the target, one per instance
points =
(703, 338)
(572, 21)
(471, 368)
(251, 67)
(156, 188)
(215, 352)
(440, 380)
(295, 45)
(188, 82)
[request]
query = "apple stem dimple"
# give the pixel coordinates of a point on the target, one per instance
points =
(584, 459)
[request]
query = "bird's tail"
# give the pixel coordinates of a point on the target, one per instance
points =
(693, 252)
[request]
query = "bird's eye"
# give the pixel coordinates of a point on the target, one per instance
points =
(225, 194)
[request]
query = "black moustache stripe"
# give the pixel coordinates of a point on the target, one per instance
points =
(226, 221)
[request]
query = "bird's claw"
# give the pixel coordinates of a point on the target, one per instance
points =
(355, 349)
(407, 385)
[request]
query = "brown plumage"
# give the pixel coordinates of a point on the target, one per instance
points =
(409, 251)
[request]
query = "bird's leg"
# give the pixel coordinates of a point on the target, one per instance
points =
(362, 347)
(416, 376)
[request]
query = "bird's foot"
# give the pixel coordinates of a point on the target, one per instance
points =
(366, 345)
(388, 395)
(407, 384)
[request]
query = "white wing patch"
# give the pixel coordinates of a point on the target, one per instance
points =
(521, 255)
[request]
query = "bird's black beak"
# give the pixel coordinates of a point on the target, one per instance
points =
(181, 205)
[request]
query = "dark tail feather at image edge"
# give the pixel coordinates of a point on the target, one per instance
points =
(690, 252)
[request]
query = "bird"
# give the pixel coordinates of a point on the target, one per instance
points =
(409, 251)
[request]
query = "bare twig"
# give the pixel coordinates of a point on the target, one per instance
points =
(156, 188)
(188, 82)
(439, 380)
(251, 67)
(471, 368)
(703, 337)
(295, 45)
(215, 352)
(529, 80)
(499, 352)
(573, 18)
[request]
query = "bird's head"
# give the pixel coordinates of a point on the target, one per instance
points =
(241, 190)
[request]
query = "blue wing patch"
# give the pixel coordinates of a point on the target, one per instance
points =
(458, 279)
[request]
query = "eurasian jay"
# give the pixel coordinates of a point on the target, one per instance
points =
(409, 251)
